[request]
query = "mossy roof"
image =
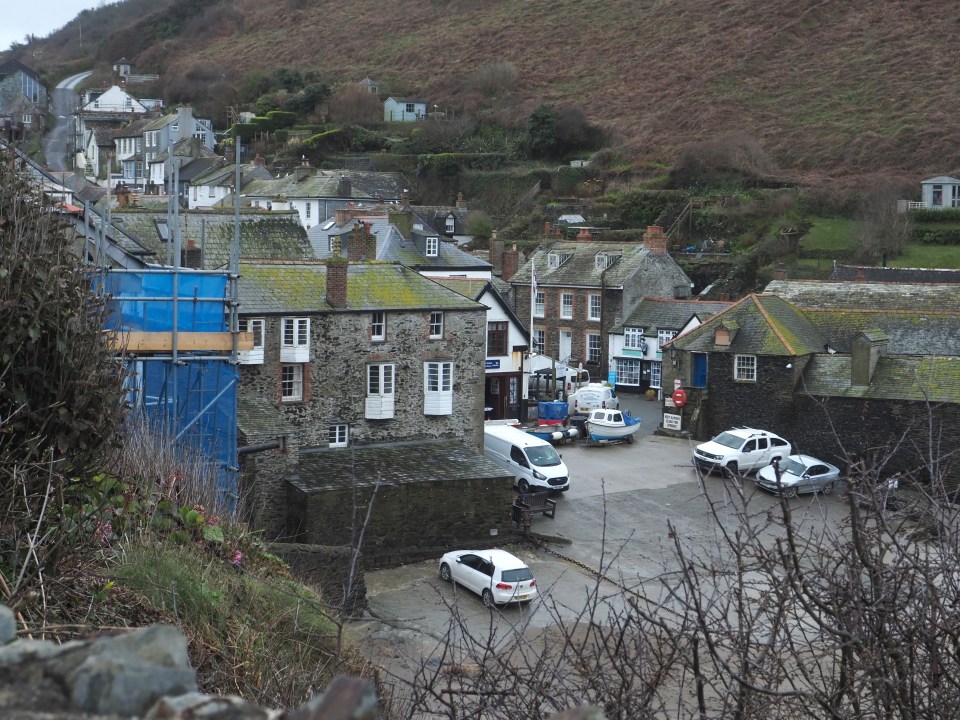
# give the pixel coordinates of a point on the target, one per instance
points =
(364, 185)
(768, 325)
(262, 235)
(413, 462)
(909, 332)
(936, 379)
(666, 314)
(580, 269)
(868, 295)
(302, 288)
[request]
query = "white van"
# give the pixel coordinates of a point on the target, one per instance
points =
(594, 396)
(532, 461)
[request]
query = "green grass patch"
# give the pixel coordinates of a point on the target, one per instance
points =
(928, 256)
(829, 234)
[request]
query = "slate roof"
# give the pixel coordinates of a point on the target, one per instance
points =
(258, 417)
(910, 333)
(438, 461)
(262, 235)
(476, 288)
(280, 287)
(665, 314)
(226, 174)
(133, 129)
(867, 295)
(580, 270)
(936, 379)
(863, 273)
(364, 185)
(768, 325)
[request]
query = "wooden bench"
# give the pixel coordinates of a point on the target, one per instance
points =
(537, 503)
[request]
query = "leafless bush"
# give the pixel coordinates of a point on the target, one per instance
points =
(351, 104)
(712, 161)
(882, 231)
(491, 80)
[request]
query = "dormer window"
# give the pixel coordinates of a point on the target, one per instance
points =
(601, 261)
(553, 261)
(451, 223)
(433, 246)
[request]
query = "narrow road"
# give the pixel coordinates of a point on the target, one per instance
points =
(58, 142)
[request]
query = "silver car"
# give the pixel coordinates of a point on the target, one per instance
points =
(799, 474)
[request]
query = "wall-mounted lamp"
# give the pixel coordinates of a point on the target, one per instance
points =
(789, 366)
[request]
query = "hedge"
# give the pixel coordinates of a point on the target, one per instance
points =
(935, 236)
(947, 215)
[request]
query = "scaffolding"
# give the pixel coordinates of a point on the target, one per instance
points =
(176, 331)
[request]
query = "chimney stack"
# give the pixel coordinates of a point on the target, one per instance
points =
(496, 255)
(337, 283)
(584, 236)
(547, 227)
(342, 215)
(511, 263)
(405, 200)
(780, 273)
(344, 187)
(362, 243)
(655, 240)
(460, 202)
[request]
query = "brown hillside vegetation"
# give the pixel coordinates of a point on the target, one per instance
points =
(831, 89)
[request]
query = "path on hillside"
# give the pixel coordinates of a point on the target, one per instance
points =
(58, 142)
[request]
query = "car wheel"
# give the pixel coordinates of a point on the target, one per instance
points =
(523, 486)
(488, 598)
(731, 469)
(790, 492)
(445, 573)
(629, 439)
(827, 488)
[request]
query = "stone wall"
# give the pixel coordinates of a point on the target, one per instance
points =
(410, 521)
(329, 568)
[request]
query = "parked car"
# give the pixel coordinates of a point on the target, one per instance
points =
(495, 575)
(799, 474)
(594, 396)
(740, 450)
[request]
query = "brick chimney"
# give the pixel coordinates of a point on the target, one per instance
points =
(337, 283)
(362, 244)
(780, 273)
(191, 255)
(460, 201)
(344, 187)
(511, 263)
(405, 200)
(547, 227)
(655, 240)
(584, 236)
(342, 215)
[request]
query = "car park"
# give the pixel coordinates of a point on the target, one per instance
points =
(497, 576)
(740, 450)
(799, 474)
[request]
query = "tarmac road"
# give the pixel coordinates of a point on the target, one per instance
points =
(58, 142)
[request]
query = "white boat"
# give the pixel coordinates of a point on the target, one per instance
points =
(609, 426)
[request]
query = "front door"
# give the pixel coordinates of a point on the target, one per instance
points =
(566, 345)
(700, 370)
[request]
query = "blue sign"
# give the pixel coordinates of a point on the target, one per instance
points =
(492, 364)
(612, 377)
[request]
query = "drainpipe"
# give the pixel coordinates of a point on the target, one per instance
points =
(260, 447)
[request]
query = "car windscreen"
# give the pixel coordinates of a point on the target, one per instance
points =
(517, 575)
(728, 440)
(543, 456)
(793, 467)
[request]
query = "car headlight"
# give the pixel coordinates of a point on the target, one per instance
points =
(539, 476)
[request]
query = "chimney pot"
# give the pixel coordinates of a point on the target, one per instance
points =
(584, 235)
(655, 240)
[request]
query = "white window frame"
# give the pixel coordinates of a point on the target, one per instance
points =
(553, 261)
(381, 387)
(656, 375)
(433, 246)
(27, 119)
(451, 223)
(600, 261)
(594, 308)
(338, 435)
(665, 336)
(295, 340)
(539, 340)
(291, 389)
(566, 309)
(633, 338)
(628, 372)
(745, 368)
(258, 327)
(308, 204)
(593, 352)
(539, 304)
(378, 326)
(436, 325)
(438, 387)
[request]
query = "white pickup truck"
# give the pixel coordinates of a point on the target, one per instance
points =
(740, 450)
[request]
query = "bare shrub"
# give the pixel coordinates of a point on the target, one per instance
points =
(491, 80)
(352, 104)
(721, 159)
(442, 134)
(882, 230)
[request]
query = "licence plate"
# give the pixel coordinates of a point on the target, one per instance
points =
(522, 597)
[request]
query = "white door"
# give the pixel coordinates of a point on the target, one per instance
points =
(566, 344)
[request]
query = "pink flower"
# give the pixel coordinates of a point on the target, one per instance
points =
(213, 520)
(237, 557)
(200, 509)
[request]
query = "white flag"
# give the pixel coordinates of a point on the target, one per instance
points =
(533, 286)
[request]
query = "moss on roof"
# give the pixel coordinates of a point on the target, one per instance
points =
(934, 379)
(288, 287)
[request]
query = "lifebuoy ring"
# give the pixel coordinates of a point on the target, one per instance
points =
(679, 397)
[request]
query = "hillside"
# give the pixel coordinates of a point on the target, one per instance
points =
(831, 90)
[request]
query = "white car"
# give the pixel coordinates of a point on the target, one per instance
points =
(495, 575)
(799, 474)
(740, 450)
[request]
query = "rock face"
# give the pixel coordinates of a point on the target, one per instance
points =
(144, 673)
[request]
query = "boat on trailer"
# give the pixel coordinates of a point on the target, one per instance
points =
(605, 426)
